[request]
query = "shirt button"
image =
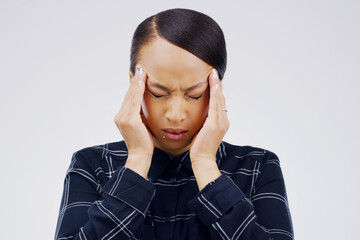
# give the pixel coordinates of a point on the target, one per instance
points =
(173, 180)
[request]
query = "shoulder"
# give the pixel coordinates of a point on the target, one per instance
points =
(245, 155)
(94, 155)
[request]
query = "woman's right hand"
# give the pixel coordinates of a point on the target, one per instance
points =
(129, 120)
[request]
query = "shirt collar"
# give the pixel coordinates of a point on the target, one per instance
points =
(161, 161)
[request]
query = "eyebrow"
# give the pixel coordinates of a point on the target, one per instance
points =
(158, 85)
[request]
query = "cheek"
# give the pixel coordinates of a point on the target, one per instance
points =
(199, 111)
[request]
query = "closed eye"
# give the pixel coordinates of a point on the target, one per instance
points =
(159, 96)
(196, 98)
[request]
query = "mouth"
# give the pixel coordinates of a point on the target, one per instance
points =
(174, 131)
(174, 134)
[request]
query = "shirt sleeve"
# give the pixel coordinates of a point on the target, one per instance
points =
(91, 211)
(229, 214)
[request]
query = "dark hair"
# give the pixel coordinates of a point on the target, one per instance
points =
(193, 31)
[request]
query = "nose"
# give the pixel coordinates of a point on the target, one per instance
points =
(175, 111)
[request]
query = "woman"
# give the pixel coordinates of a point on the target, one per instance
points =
(173, 177)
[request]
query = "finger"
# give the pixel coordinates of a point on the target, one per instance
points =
(135, 94)
(139, 90)
(213, 105)
(219, 103)
(221, 114)
(128, 108)
(222, 107)
(129, 93)
(135, 81)
(221, 98)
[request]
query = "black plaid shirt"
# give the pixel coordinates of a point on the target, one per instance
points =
(104, 200)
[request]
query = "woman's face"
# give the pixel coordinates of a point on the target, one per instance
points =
(176, 93)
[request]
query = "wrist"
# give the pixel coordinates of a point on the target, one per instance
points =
(205, 171)
(139, 164)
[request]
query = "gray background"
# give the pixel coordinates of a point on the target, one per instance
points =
(291, 86)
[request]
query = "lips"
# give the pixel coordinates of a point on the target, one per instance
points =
(174, 134)
(174, 131)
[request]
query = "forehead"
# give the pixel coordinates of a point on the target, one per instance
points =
(171, 65)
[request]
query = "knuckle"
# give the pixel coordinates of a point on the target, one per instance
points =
(116, 119)
(123, 122)
(227, 124)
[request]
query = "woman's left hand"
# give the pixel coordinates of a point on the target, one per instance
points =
(206, 142)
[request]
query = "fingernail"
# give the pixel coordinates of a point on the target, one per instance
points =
(215, 74)
(216, 87)
(140, 82)
(140, 72)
